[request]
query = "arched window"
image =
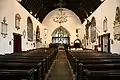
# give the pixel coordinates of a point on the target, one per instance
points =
(93, 30)
(17, 21)
(37, 34)
(60, 35)
(29, 29)
(60, 32)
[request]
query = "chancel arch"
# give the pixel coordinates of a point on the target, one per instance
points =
(29, 29)
(73, 22)
(61, 35)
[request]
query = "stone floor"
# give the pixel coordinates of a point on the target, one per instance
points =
(60, 69)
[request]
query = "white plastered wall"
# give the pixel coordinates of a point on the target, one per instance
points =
(8, 9)
(108, 9)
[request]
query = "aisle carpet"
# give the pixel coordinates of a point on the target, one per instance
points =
(60, 69)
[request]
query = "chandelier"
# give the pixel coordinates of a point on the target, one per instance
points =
(61, 17)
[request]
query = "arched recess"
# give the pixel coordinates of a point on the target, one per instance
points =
(17, 21)
(60, 35)
(77, 43)
(93, 30)
(29, 29)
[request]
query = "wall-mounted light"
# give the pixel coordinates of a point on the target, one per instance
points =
(38, 19)
(19, 0)
(4, 28)
(31, 12)
(35, 14)
(91, 12)
(102, 0)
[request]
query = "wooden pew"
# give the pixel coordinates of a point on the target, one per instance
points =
(99, 61)
(102, 75)
(22, 61)
(102, 66)
(40, 70)
(90, 56)
(29, 60)
(6, 74)
(93, 62)
(37, 59)
(94, 67)
(50, 55)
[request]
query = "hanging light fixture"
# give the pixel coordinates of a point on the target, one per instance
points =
(61, 17)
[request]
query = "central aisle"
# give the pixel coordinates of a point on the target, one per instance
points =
(60, 69)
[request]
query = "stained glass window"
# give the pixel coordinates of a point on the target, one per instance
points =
(116, 27)
(93, 30)
(60, 35)
(29, 29)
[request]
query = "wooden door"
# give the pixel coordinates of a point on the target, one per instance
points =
(106, 42)
(17, 43)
